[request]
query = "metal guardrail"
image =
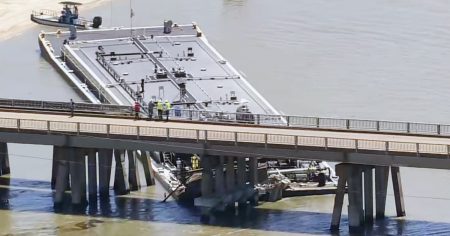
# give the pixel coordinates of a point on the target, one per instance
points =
(232, 138)
(257, 119)
(64, 106)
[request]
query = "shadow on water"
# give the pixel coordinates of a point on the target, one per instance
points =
(19, 195)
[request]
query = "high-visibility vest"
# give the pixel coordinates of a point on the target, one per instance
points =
(159, 105)
(168, 106)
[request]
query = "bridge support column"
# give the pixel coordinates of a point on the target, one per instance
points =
(120, 178)
(4, 159)
(147, 164)
(92, 173)
(219, 178)
(133, 171)
(78, 175)
(253, 172)
(58, 153)
(381, 184)
(207, 177)
(355, 198)
(62, 173)
(341, 171)
(104, 171)
(241, 179)
(230, 175)
(398, 192)
(368, 195)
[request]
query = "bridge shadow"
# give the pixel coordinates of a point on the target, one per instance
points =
(18, 195)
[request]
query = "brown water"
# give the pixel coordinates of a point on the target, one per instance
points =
(354, 59)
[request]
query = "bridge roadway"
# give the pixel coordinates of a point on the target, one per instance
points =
(360, 153)
(369, 148)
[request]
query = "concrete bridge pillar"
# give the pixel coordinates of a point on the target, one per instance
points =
(77, 172)
(147, 164)
(133, 171)
(398, 191)
(4, 159)
(92, 173)
(207, 176)
(360, 196)
(104, 171)
(230, 182)
(381, 184)
(57, 154)
(121, 185)
(62, 173)
(219, 177)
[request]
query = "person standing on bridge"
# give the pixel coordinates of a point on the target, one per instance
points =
(159, 107)
(72, 107)
(151, 107)
(137, 110)
(167, 107)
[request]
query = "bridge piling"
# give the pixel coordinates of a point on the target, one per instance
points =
(219, 178)
(92, 173)
(368, 195)
(355, 198)
(144, 157)
(104, 171)
(381, 184)
(62, 174)
(4, 159)
(57, 154)
(398, 191)
(342, 172)
(121, 185)
(133, 171)
(229, 174)
(78, 175)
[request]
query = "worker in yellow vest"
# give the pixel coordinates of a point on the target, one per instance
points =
(159, 107)
(195, 161)
(167, 107)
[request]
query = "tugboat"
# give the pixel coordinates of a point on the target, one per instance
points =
(67, 17)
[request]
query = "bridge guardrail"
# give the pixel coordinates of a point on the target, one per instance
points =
(236, 138)
(257, 119)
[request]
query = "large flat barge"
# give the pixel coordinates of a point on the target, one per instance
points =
(171, 62)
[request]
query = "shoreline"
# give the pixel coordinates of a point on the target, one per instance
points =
(15, 15)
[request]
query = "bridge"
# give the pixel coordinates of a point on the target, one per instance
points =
(365, 150)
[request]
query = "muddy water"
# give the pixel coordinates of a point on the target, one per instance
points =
(354, 59)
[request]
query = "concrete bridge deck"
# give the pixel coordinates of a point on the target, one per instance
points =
(349, 147)
(361, 153)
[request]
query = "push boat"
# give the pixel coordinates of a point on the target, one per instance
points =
(67, 17)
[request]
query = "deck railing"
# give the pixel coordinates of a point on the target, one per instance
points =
(255, 119)
(225, 137)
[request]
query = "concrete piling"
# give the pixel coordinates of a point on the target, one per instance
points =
(355, 197)
(398, 192)
(133, 171)
(62, 176)
(4, 159)
(104, 171)
(121, 185)
(57, 153)
(207, 177)
(219, 178)
(368, 195)
(78, 175)
(92, 173)
(381, 183)
(342, 172)
(147, 164)
(230, 174)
